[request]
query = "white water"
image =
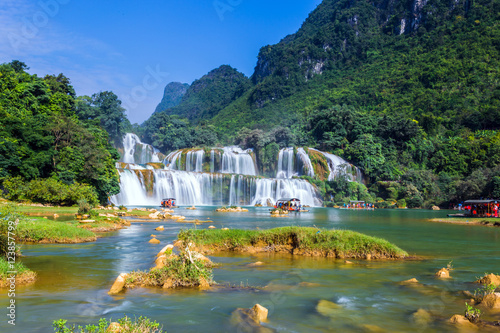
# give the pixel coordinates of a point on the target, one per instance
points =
(289, 167)
(237, 160)
(285, 164)
(229, 182)
(131, 143)
(233, 160)
(194, 188)
(340, 167)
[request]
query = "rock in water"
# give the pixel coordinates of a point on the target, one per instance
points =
(118, 285)
(327, 308)
(260, 312)
(421, 318)
(443, 273)
(248, 320)
(490, 279)
(154, 241)
(435, 208)
(410, 281)
(491, 301)
(463, 323)
(160, 228)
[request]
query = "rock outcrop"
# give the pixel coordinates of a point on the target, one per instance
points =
(118, 285)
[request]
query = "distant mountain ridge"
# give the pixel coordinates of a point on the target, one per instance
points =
(210, 94)
(172, 95)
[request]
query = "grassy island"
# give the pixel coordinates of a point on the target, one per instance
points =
(294, 240)
(23, 274)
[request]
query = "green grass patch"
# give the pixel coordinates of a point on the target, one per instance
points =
(43, 230)
(123, 325)
(23, 274)
(179, 271)
(39, 210)
(298, 240)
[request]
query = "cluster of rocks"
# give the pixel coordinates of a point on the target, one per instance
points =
(166, 215)
(231, 210)
(487, 303)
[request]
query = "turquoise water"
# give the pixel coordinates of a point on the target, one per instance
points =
(74, 279)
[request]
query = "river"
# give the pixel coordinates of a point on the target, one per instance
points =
(73, 280)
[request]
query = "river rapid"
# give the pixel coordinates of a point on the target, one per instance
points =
(73, 280)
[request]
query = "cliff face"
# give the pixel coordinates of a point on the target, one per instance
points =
(339, 30)
(172, 95)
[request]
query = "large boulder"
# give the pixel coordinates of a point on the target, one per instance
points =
(463, 324)
(118, 285)
(435, 208)
(491, 302)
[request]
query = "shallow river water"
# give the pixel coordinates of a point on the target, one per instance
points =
(73, 280)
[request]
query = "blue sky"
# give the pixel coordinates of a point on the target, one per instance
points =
(134, 48)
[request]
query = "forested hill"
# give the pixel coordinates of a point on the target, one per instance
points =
(211, 93)
(434, 61)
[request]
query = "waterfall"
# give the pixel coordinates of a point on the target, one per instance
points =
(194, 160)
(304, 165)
(134, 151)
(237, 160)
(232, 179)
(285, 164)
(338, 166)
(275, 189)
(194, 188)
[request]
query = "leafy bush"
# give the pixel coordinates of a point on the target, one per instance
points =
(84, 207)
(471, 313)
(140, 325)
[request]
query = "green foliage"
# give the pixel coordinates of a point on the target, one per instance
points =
(41, 136)
(127, 325)
(471, 313)
(179, 270)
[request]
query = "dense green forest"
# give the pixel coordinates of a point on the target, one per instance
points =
(56, 147)
(408, 91)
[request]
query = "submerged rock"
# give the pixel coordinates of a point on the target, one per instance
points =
(370, 328)
(255, 264)
(410, 281)
(421, 318)
(443, 273)
(118, 285)
(309, 284)
(327, 308)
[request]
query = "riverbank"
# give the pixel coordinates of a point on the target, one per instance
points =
(484, 221)
(294, 240)
(23, 274)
